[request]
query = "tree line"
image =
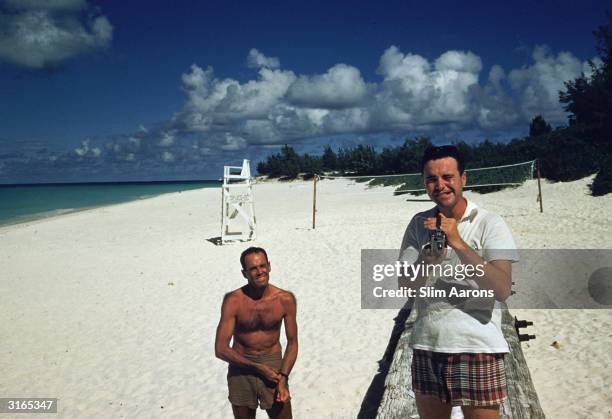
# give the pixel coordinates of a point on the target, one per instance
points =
(566, 153)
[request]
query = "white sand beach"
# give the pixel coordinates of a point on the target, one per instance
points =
(114, 310)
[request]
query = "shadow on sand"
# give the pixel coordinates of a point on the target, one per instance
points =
(215, 240)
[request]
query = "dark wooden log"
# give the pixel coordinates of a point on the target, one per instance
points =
(398, 398)
(521, 401)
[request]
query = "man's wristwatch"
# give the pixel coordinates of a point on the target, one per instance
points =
(284, 375)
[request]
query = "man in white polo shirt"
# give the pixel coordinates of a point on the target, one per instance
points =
(457, 342)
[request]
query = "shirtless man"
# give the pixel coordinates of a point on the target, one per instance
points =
(252, 315)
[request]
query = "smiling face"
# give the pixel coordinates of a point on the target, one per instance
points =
(257, 270)
(444, 183)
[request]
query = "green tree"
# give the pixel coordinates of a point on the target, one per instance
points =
(363, 160)
(342, 162)
(329, 159)
(310, 165)
(602, 184)
(262, 168)
(390, 160)
(412, 152)
(539, 126)
(290, 162)
(275, 166)
(588, 99)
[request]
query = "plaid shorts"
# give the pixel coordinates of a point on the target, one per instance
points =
(463, 379)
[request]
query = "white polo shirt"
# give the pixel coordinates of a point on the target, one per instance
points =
(440, 326)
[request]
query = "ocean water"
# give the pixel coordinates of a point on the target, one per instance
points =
(21, 203)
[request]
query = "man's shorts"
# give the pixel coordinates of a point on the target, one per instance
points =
(247, 388)
(462, 379)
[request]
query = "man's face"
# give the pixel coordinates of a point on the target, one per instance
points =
(443, 182)
(257, 270)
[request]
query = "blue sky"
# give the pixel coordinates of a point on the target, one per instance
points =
(115, 90)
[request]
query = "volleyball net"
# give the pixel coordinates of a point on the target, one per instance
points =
(484, 177)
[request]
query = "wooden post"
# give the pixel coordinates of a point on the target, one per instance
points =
(539, 186)
(314, 200)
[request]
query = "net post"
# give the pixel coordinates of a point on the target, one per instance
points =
(539, 186)
(314, 200)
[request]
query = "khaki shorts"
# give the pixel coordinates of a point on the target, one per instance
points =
(247, 388)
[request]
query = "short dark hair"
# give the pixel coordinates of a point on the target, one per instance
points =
(440, 152)
(249, 251)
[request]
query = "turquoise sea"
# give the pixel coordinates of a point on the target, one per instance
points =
(20, 203)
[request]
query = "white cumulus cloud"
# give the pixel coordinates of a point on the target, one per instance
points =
(167, 139)
(233, 143)
(340, 87)
(537, 86)
(256, 59)
(86, 150)
(167, 156)
(416, 94)
(219, 105)
(39, 34)
(459, 61)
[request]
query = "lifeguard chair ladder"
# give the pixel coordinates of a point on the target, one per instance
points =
(238, 213)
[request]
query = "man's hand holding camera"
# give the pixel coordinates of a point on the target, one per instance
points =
(497, 272)
(449, 227)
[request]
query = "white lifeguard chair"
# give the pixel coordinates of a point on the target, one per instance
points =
(238, 213)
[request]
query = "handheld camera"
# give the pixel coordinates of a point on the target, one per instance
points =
(437, 240)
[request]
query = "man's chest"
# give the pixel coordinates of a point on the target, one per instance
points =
(259, 316)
